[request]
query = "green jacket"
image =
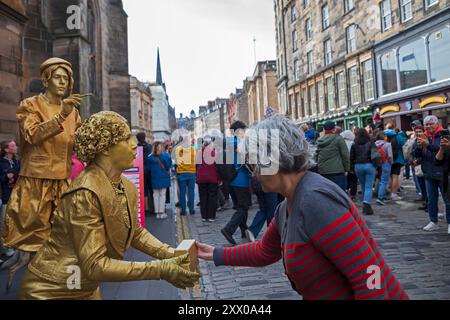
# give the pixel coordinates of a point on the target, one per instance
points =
(332, 155)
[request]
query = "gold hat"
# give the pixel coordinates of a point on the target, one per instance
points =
(53, 61)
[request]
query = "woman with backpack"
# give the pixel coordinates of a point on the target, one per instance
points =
(159, 163)
(385, 150)
(397, 140)
(361, 164)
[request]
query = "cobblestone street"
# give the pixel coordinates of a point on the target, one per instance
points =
(420, 260)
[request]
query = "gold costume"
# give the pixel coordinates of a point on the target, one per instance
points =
(46, 149)
(94, 225)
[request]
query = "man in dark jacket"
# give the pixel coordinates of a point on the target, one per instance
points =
(148, 191)
(333, 157)
(429, 146)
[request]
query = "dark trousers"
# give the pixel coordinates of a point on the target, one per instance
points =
(239, 219)
(338, 179)
(423, 188)
(268, 202)
(208, 193)
(225, 188)
(352, 183)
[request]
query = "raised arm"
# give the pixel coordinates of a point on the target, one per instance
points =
(144, 241)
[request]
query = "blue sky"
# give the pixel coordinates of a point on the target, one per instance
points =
(206, 45)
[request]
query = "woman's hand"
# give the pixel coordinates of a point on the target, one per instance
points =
(205, 251)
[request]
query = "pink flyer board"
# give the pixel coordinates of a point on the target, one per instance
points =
(136, 175)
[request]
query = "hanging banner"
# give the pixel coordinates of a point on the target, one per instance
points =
(136, 175)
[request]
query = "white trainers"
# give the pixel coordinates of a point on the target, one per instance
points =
(431, 227)
(395, 197)
(249, 235)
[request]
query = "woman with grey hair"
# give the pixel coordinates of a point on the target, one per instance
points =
(326, 247)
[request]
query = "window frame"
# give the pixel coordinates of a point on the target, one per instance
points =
(354, 85)
(368, 80)
(310, 61)
(294, 15)
(312, 99)
(383, 16)
(402, 11)
(321, 98)
(328, 56)
(294, 40)
(344, 89)
(329, 93)
(308, 29)
(324, 27)
(347, 8)
(430, 5)
(347, 38)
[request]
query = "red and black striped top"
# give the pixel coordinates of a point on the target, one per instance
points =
(326, 247)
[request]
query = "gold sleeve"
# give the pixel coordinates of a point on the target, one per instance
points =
(144, 241)
(89, 239)
(33, 129)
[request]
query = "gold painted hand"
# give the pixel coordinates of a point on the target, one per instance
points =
(172, 271)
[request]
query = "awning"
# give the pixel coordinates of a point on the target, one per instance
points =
(436, 107)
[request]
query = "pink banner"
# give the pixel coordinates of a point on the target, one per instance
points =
(136, 175)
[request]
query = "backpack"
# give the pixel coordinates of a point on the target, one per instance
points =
(227, 172)
(375, 156)
(384, 157)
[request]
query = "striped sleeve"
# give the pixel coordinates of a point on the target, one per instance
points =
(257, 254)
(335, 231)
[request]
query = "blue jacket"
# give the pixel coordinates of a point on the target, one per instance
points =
(160, 177)
(400, 142)
(242, 179)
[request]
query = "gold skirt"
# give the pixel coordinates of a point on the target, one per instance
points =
(36, 288)
(29, 211)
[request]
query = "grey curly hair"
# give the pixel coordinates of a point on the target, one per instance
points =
(98, 133)
(285, 143)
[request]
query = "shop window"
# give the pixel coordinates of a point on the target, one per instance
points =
(439, 44)
(413, 64)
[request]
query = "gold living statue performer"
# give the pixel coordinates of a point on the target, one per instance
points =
(97, 221)
(47, 127)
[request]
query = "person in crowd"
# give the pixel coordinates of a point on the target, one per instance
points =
(378, 122)
(429, 145)
(268, 202)
(318, 233)
(159, 164)
(186, 173)
(338, 130)
(9, 173)
(239, 187)
(333, 159)
(148, 191)
(96, 222)
(208, 180)
(443, 159)
(352, 179)
(385, 150)
(417, 166)
(311, 134)
(361, 165)
(407, 153)
(397, 140)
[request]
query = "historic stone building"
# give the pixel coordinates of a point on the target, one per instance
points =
(261, 91)
(238, 106)
(141, 108)
(91, 34)
(326, 54)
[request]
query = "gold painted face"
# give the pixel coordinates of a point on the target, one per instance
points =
(123, 154)
(59, 82)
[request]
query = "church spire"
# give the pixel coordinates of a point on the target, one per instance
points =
(159, 79)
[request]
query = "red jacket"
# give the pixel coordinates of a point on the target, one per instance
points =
(206, 166)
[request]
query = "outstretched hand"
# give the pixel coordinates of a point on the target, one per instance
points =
(204, 251)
